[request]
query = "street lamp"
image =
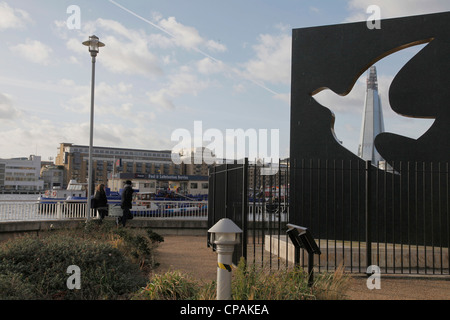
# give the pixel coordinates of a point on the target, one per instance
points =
(93, 43)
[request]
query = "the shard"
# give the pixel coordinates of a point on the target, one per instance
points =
(372, 120)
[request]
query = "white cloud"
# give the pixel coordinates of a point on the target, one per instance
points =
(7, 109)
(109, 99)
(353, 102)
(208, 66)
(392, 9)
(186, 36)
(34, 51)
(11, 18)
(126, 51)
(215, 46)
(184, 82)
(239, 88)
(273, 59)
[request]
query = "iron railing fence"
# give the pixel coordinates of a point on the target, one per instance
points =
(395, 217)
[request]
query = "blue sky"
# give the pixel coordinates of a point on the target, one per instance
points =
(168, 63)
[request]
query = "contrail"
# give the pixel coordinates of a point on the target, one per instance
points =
(196, 49)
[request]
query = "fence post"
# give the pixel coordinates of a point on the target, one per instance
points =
(58, 211)
(368, 208)
(244, 208)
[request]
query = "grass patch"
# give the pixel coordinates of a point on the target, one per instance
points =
(249, 283)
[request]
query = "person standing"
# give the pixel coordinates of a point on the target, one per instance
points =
(101, 201)
(126, 203)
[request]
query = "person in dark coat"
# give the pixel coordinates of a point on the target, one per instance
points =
(101, 201)
(126, 203)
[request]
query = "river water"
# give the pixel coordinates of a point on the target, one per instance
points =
(18, 197)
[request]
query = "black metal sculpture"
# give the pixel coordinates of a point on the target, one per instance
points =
(334, 57)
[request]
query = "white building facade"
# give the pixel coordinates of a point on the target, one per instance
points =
(21, 174)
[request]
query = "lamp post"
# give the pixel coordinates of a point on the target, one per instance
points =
(225, 234)
(94, 44)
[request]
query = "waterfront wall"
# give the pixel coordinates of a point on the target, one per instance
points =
(9, 230)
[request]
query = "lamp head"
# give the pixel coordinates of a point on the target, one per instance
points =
(225, 232)
(94, 44)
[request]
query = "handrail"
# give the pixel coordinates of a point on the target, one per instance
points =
(33, 210)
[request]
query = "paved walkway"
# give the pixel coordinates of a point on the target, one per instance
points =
(191, 255)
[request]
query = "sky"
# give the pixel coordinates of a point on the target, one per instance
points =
(168, 64)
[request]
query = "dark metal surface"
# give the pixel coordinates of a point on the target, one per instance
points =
(330, 191)
(335, 56)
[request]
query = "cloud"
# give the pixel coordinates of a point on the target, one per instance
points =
(11, 18)
(392, 9)
(273, 59)
(215, 46)
(34, 51)
(109, 99)
(126, 51)
(186, 36)
(353, 102)
(183, 82)
(7, 110)
(208, 66)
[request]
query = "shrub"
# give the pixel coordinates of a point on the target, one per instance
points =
(331, 286)
(248, 283)
(40, 266)
(254, 283)
(12, 287)
(173, 285)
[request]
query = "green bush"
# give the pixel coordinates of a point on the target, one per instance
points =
(39, 266)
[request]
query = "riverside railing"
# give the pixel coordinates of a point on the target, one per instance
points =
(14, 211)
(31, 210)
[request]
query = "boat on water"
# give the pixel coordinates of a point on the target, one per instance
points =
(158, 203)
(75, 192)
(151, 204)
(74, 189)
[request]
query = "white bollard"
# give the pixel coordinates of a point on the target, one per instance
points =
(224, 267)
(225, 234)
